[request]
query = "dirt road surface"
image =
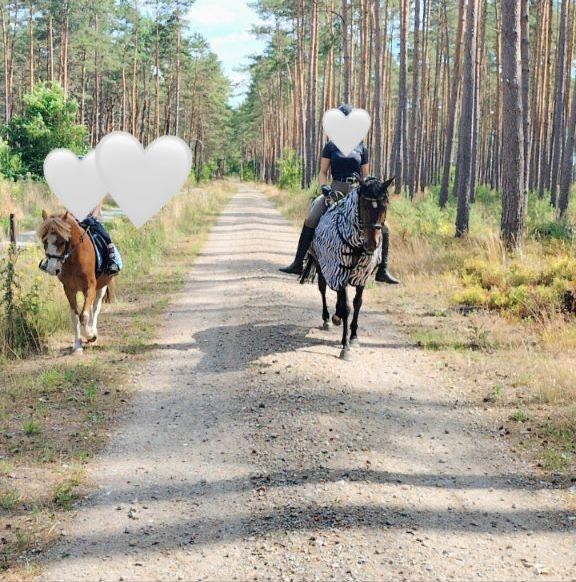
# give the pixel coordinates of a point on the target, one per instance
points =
(251, 452)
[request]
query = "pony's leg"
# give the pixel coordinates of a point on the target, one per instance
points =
(71, 295)
(100, 293)
(86, 317)
(354, 325)
(325, 312)
(343, 311)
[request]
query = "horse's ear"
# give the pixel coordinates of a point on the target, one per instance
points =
(44, 214)
(65, 216)
(359, 178)
(387, 183)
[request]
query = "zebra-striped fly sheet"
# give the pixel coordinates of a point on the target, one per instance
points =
(338, 246)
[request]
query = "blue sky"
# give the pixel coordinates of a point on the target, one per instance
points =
(226, 25)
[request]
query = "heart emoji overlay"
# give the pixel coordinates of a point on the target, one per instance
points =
(346, 131)
(75, 181)
(142, 181)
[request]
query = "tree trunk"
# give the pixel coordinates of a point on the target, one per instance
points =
(462, 187)
(568, 160)
(513, 190)
(456, 81)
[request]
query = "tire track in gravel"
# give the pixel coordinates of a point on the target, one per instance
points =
(250, 451)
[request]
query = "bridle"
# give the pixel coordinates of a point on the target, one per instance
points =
(376, 225)
(60, 258)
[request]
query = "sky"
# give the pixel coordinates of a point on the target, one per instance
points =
(226, 25)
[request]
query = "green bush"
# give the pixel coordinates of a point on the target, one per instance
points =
(10, 163)
(47, 122)
(290, 169)
(20, 335)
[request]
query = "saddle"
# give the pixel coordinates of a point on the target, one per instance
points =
(92, 228)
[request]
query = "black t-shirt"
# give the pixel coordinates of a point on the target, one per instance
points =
(342, 167)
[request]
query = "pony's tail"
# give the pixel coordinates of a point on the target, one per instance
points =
(309, 272)
(109, 296)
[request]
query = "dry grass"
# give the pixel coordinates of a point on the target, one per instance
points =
(56, 410)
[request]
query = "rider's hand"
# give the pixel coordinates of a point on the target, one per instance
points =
(326, 190)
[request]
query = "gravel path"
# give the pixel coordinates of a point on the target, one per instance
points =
(252, 452)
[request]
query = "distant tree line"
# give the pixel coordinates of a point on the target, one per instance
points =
(120, 65)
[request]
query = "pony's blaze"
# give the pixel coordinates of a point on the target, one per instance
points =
(53, 247)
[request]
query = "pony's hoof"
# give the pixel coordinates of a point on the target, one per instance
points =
(345, 355)
(326, 326)
(92, 340)
(336, 320)
(355, 342)
(77, 351)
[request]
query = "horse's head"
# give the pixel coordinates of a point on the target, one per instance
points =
(55, 233)
(373, 203)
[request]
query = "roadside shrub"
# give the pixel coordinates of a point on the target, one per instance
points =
(290, 169)
(20, 334)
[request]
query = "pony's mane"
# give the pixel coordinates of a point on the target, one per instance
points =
(57, 225)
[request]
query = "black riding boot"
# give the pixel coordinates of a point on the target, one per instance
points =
(382, 275)
(297, 265)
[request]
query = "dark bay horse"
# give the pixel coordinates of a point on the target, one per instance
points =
(347, 250)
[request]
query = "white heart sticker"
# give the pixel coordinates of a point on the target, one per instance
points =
(140, 180)
(346, 131)
(75, 181)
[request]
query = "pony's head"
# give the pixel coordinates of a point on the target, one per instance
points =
(373, 203)
(55, 233)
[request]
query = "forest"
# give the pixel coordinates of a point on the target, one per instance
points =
(451, 86)
(121, 65)
(462, 94)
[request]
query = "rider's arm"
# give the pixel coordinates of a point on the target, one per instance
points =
(324, 169)
(364, 162)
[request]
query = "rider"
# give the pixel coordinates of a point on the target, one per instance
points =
(112, 264)
(342, 168)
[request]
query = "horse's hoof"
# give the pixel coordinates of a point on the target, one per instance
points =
(326, 326)
(345, 355)
(77, 351)
(336, 320)
(92, 339)
(355, 342)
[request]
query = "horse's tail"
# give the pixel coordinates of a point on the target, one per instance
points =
(109, 296)
(309, 272)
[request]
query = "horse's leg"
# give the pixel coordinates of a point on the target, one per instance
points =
(100, 293)
(354, 325)
(71, 295)
(343, 311)
(86, 317)
(325, 312)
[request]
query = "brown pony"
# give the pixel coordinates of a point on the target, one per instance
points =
(71, 257)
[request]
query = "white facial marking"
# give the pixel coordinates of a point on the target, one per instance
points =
(53, 266)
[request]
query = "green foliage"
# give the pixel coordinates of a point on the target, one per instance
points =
(10, 162)
(9, 499)
(46, 123)
(19, 311)
(31, 427)
(519, 416)
(290, 169)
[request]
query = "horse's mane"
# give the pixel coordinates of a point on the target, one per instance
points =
(55, 224)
